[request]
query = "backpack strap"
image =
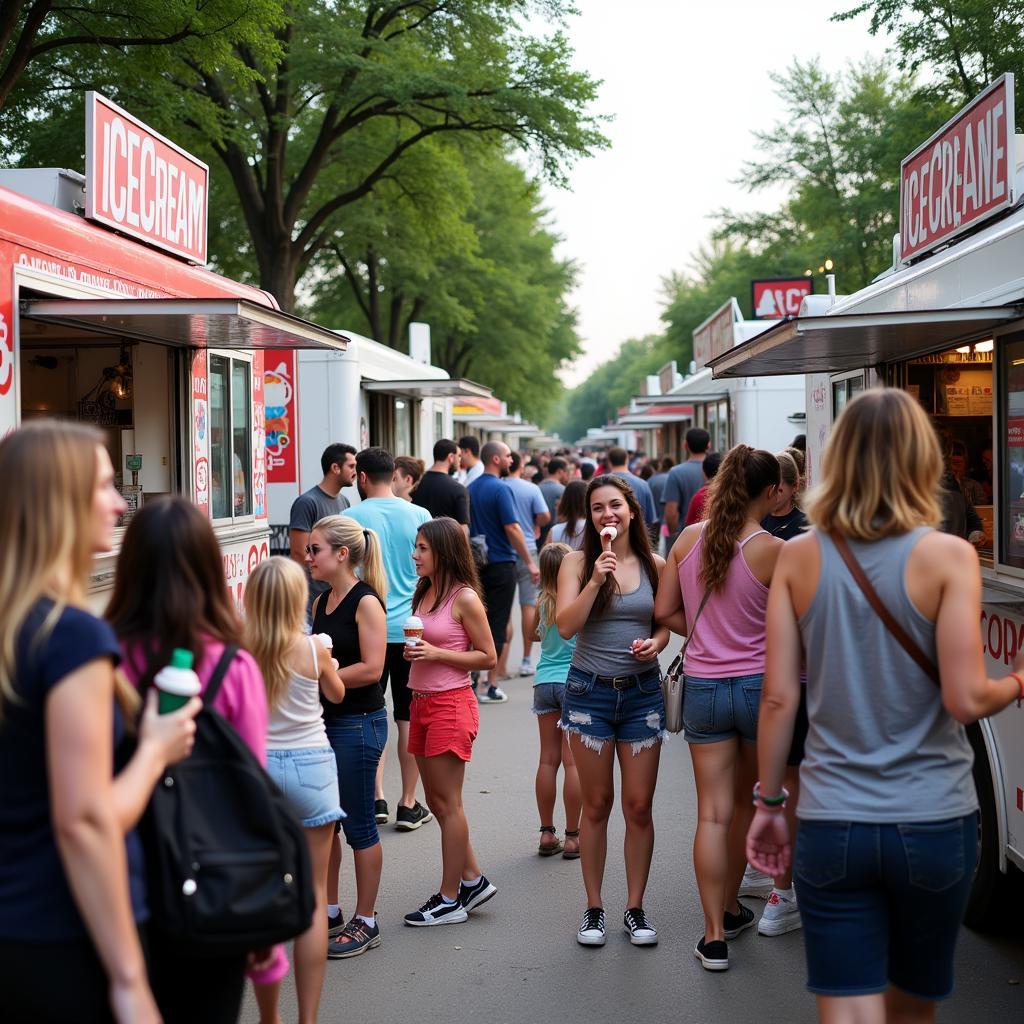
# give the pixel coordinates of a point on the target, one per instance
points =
(213, 686)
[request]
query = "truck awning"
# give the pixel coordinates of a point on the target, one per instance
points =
(656, 416)
(195, 323)
(851, 341)
(433, 387)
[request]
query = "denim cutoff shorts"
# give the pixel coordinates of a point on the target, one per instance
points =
(308, 777)
(598, 713)
(358, 742)
(718, 709)
(882, 904)
(548, 697)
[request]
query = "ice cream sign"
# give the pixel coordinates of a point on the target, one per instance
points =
(778, 297)
(142, 184)
(963, 175)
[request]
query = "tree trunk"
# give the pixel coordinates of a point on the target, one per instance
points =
(279, 273)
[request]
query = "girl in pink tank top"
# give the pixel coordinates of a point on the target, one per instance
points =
(443, 718)
(715, 588)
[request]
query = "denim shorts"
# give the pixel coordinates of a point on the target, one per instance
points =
(548, 697)
(882, 904)
(308, 777)
(718, 709)
(358, 741)
(598, 713)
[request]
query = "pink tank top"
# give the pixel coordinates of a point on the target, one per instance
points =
(729, 639)
(442, 630)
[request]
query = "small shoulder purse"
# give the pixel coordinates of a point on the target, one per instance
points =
(672, 683)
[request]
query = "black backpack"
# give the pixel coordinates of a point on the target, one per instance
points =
(226, 858)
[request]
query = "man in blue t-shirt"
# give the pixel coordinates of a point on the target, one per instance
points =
(493, 518)
(395, 522)
(684, 481)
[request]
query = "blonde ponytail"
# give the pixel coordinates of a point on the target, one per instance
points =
(364, 550)
(371, 566)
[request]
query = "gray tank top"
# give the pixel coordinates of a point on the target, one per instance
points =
(602, 645)
(881, 747)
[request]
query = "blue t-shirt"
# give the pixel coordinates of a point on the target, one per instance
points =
(395, 522)
(555, 656)
(643, 495)
(529, 502)
(36, 905)
(491, 509)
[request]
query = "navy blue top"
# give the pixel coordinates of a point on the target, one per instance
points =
(491, 509)
(36, 904)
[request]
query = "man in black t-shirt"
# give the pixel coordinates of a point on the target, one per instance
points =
(438, 491)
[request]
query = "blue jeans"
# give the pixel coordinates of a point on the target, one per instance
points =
(358, 741)
(882, 904)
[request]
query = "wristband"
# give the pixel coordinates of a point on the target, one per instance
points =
(772, 802)
(1020, 683)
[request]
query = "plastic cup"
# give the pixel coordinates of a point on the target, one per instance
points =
(176, 683)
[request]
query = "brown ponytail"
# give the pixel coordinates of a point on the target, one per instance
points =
(745, 472)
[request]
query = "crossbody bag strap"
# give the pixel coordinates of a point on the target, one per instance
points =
(678, 659)
(905, 640)
(213, 686)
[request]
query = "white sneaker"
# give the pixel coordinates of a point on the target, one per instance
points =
(494, 695)
(756, 884)
(781, 914)
(591, 931)
(526, 667)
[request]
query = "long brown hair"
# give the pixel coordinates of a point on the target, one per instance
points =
(639, 541)
(572, 506)
(453, 561)
(549, 562)
(744, 474)
(169, 590)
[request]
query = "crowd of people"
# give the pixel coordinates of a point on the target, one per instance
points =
(832, 771)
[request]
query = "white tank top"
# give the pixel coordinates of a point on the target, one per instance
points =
(298, 720)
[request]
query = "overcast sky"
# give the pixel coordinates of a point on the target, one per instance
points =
(687, 84)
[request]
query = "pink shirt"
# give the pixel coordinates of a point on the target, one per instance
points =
(729, 638)
(442, 630)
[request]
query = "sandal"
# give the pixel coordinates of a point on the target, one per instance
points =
(549, 850)
(575, 854)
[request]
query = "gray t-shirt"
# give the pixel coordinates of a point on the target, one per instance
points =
(683, 482)
(307, 510)
(552, 491)
(603, 644)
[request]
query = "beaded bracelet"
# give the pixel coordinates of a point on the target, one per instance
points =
(772, 802)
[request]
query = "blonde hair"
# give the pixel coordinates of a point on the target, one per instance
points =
(790, 474)
(550, 561)
(51, 469)
(275, 612)
(880, 471)
(364, 551)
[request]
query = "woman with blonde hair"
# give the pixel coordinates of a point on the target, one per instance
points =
(715, 588)
(296, 669)
(888, 811)
(352, 614)
(72, 882)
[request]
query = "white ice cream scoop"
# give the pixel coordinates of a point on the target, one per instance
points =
(610, 531)
(325, 640)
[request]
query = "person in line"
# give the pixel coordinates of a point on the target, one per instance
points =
(572, 516)
(552, 486)
(470, 464)
(395, 523)
(715, 587)
(439, 492)
(548, 698)
(295, 669)
(656, 482)
(169, 592)
(617, 459)
(787, 520)
(456, 641)
(613, 706)
(352, 614)
(72, 879)
(338, 463)
(587, 470)
(684, 481)
(494, 519)
(709, 467)
(408, 473)
(532, 512)
(884, 859)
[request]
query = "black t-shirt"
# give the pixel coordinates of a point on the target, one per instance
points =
(341, 626)
(442, 495)
(36, 904)
(788, 526)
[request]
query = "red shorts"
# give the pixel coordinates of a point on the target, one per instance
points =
(443, 723)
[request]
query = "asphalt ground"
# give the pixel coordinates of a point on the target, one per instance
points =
(516, 960)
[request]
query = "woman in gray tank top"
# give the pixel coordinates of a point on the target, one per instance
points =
(613, 706)
(887, 810)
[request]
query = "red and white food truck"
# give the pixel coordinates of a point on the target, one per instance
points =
(946, 323)
(115, 323)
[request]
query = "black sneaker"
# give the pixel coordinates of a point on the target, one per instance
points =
(591, 932)
(335, 925)
(473, 896)
(437, 911)
(737, 923)
(714, 956)
(408, 819)
(641, 931)
(380, 811)
(353, 940)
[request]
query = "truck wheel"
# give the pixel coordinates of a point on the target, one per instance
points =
(990, 888)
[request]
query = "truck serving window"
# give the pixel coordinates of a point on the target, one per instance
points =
(230, 437)
(1011, 503)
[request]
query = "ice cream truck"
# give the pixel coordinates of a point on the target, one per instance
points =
(946, 323)
(107, 316)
